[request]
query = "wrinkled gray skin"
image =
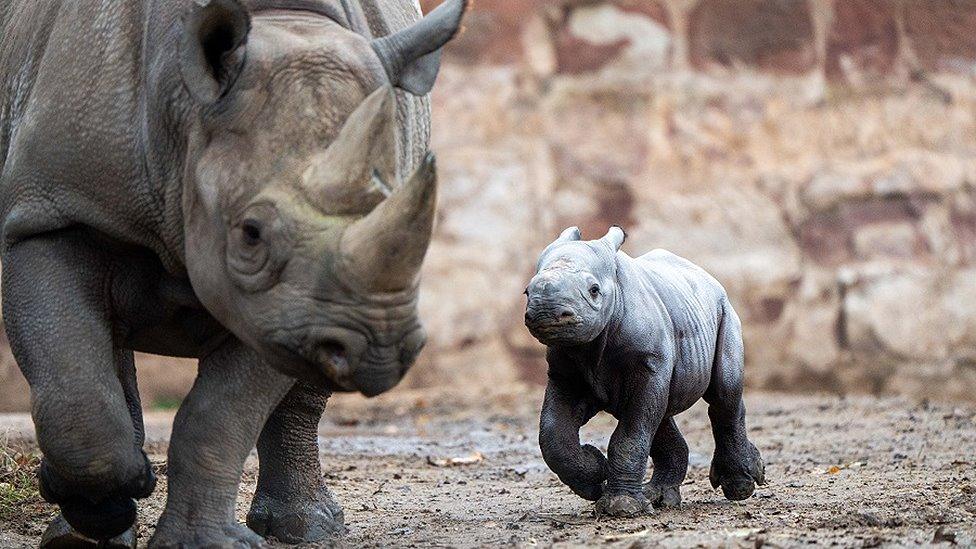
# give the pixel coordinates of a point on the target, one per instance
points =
(236, 182)
(643, 339)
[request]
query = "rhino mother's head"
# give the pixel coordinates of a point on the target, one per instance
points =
(301, 237)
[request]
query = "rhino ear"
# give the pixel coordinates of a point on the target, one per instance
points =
(212, 47)
(412, 56)
(615, 238)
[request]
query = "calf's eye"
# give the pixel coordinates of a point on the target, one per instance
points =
(594, 290)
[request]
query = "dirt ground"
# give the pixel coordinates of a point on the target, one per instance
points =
(856, 471)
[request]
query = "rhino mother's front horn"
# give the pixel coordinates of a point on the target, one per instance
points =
(384, 251)
(412, 56)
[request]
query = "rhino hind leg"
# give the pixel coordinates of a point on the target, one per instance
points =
(669, 452)
(56, 313)
(737, 465)
(292, 503)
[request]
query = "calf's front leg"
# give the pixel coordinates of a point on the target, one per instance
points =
(292, 503)
(582, 468)
(638, 419)
(214, 431)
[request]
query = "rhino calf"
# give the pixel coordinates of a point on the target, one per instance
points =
(643, 339)
(245, 182)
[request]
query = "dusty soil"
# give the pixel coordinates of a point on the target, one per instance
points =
(856, 471)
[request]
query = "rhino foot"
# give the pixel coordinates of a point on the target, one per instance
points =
(60, 535)
(737, 473)
(236, 536)
(107, 518)
(622, 505)
(297, 520)
(663, 496)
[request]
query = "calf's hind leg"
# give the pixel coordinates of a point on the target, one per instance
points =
(736, 466)
(292, 503)
(669, 453)
(57, 318)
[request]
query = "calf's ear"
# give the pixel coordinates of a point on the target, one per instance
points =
(571, 234)
(212, 47)
(615, 238)
(412, 56)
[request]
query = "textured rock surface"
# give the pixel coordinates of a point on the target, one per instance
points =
(824, 169)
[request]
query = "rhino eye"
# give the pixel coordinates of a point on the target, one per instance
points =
(594, 290)
(251, 232)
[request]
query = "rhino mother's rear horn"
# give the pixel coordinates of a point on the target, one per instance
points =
(353, 175)
(412, 56)
(383, 251)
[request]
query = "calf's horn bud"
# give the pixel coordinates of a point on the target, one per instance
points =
(383, 252)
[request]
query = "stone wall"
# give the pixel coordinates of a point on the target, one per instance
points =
(818, 157)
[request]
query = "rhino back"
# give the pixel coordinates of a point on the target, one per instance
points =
(73, 141)
(25, 29)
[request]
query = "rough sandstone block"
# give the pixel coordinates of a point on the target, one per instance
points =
(776, 35)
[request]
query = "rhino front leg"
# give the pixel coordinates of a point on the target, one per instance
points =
(581, 467)
(57, 312)
(638, 420)
(214, 431)
(292, 503)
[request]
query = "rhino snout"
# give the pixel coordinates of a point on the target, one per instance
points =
(384, 366)
(353, 363)
(555, 316)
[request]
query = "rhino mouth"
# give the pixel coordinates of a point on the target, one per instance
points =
(552, 330)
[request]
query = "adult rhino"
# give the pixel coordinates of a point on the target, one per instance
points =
(236, 181)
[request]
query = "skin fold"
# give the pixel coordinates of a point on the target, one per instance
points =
(246, 182)
(642, 339)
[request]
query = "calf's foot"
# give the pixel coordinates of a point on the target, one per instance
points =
(738, 471)
(297, 520)
(622, 505)
(662, 496)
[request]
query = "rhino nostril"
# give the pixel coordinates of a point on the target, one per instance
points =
(566, 314)
(333, 356)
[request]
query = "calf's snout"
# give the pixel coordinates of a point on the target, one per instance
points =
(555, 316)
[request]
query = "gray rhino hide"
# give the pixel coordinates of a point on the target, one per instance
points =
(234, 182)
